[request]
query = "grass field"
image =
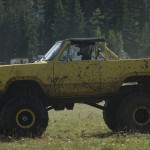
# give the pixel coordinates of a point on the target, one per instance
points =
(80, 129)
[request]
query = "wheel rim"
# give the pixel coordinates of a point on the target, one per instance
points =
(141, 116)
(25, 118)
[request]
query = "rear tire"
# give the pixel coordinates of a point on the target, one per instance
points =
(134, 113)
(24, 117)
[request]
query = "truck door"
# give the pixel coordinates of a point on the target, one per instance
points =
(74, 77)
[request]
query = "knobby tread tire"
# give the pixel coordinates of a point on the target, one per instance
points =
(109, 115)
(8, 117)
(125, 112)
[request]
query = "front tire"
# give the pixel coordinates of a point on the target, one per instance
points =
(24, 117)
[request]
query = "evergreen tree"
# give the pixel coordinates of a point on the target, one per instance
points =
(75, 19)
(7, 35)
(145, 41)
(96, 23)
(115, 42)
(19, 29)
(146, 11)
(113, 11)
(49, 7)
(38, 19)
(131, 32)
(2, 31)
(28, 26)
(60, 21)
(26, 29)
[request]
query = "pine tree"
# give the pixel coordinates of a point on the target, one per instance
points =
(59, 24)
(75, 19)
(96, 23)
(130, 29)
(113, 11)
(49, 7)
(115, 42)
(145, 41)
(38, 19)
(146, 13)
(7, 35)
(27, 26)
(19, 30)
(26, 29)
(31, 21)
(2, 30)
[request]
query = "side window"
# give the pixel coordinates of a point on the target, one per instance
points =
(79, 51)
(70, 53)
(74, 52)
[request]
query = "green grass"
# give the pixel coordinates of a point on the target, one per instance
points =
(80, 129)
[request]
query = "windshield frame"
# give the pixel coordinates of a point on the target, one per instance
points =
(52, 52)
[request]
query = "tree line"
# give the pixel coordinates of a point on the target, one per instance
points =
(30, 27)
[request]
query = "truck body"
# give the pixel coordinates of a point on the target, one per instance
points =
(61, 79)
(76, 78)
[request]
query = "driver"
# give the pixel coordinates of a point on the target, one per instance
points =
(85, 52)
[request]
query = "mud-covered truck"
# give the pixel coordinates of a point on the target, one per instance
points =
(75, 70)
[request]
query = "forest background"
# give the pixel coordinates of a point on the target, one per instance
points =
(29, 27)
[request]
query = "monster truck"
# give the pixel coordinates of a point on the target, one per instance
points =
(62, 78)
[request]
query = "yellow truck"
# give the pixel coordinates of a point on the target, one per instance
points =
(75, 70)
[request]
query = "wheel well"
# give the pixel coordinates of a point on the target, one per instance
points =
(26, 87)
(138, 79)
(135, 84)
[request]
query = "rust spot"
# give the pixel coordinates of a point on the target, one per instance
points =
(79, 75)
(146, 63)
(87, 68)
(63, 78)
(55, 80)
(58, 80)
(0, 82)
(136, 72)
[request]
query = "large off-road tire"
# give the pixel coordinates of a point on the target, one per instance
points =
(134, 113)
(109, 114)
(22, 116)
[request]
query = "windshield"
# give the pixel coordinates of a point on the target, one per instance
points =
(50, 55)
